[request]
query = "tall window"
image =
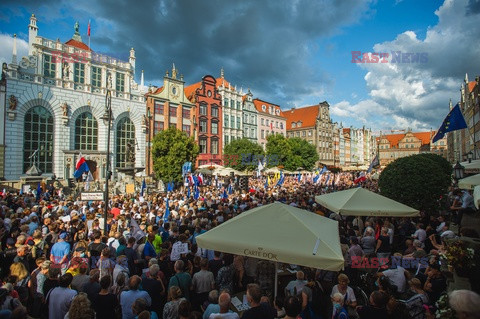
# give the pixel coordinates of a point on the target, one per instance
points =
(48, 66)
(185, 113)
(38, 135)
(120, 82)
(232, 103)
(225, 120)
(263, 121)
(226, 139)
(186, 129)
(238, 122)
(238, 105)
(214, 146)
(232, 121)
(245, 118)
(96, 76)
(214, 111)
(86, 132)
(172, 110)
(79, 74)
(214, 127)
(157, 127)
(225, 102)
(203, 145)
(125, 134)
(203, 126)
(203, 109)
(263, 134)
(158, 108)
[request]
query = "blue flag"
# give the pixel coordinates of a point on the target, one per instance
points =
(167, 213)
(196, 195)
(324, 169)
(188, 193)
(144, 187)
(230, 189)
(299, 177)
(39, 191)
(170, 187)
(281, 180)
(224, 195)
(454, 121)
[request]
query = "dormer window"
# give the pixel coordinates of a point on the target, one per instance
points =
(299, 124)
(264, 107)
(294, 125)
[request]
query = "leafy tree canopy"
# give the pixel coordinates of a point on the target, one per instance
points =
(242, 154)
(277, 147)
(417, 181)
(170, 149)
(302, 154)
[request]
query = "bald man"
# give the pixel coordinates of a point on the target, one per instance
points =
(225, 312)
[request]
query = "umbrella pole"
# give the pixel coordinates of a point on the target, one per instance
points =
(276, 280)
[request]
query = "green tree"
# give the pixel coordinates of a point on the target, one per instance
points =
(302, 154)
(417, 181)
(278, 150)
(170, 149)
(242, 154)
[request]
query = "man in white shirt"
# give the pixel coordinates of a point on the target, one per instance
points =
(420, 233)
(224, 303)
(396, 275)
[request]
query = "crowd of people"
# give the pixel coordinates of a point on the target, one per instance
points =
(58, 261)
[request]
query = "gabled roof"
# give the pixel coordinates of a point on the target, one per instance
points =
(221, 81)
(471, 85)
(259, 106)
(307, 115)
(394, 139)
(190, 90)
(78, 44)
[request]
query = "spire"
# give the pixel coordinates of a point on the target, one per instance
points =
(174, 72)
(76, 35)
(450, 104)
(222, 74)
(32, 33)
(466, 77)
(14, 50)
(142, 83)
(131, 59)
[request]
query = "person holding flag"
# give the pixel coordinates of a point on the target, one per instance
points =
(144, 187)
(81, 167)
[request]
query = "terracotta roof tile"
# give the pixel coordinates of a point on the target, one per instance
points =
(259, 106)
(190, 90)
(471, 85)
(222, 81)
(394, 139)
(78, 44)
(307, 115)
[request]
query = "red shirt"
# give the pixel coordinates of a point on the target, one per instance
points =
(115, 211)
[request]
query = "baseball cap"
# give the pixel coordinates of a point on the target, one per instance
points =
(10, 241)
(63, 235)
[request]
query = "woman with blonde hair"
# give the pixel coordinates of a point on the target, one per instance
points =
(80, 308)
(20, 273)
(170, 311)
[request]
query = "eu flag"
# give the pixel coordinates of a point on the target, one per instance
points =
(454, 121)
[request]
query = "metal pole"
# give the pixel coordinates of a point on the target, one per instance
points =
(149, 139)
(108, 100)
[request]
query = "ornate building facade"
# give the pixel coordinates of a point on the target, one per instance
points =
(250, 116)
(170, 107)
(232, 102)
(270, 121)
(208, 115)
(56, 102)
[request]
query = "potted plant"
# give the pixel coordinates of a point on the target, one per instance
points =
(443, 309)
(460, 257)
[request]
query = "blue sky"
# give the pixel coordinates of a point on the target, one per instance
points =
(291, 53)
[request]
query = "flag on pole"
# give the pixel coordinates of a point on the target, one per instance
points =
(89, 29)
(360, 178)
(230, 189)
(454, 121)
(80, 167)
(281, 179)
(196, 194)
(144, 187)
(200, 179)
(39, 191)
(167, 213)
(224, 195)
(188, 192)
(373, 164)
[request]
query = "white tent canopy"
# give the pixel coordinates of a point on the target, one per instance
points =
(362, 202)
(469, 182)
(280, 233)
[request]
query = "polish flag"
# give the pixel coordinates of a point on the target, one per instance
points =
(88, 30)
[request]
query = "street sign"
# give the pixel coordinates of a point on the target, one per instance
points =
(91, 196)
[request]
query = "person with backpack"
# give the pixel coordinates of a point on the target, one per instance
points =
(181, 279)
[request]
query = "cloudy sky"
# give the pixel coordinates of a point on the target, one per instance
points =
(293, 53)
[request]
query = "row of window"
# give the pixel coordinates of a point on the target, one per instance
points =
(231, 103)
(49, 71)
(204, 126)
(253, 119)
(159, 108)
(159, 126)
(233, 119)
(204, 110)
(271, 123)
(203, 142)
(298, 134)
(39, 132)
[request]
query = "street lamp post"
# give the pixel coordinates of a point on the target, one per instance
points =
(149, 116)
(458, 171)
(107, 119)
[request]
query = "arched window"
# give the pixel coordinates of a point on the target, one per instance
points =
(125, 134)
(86, 132)
(38, 130)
